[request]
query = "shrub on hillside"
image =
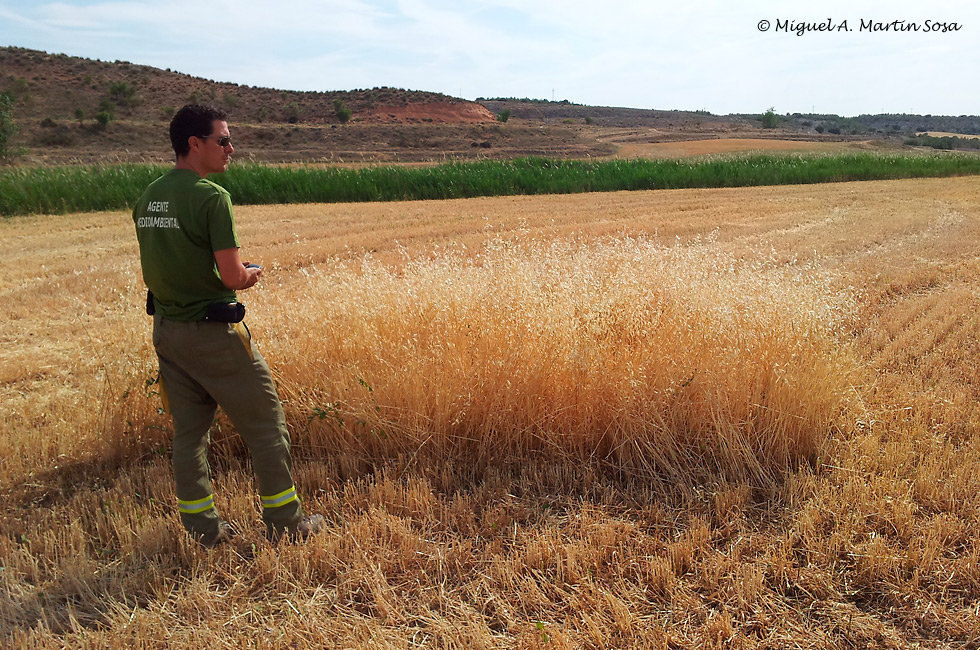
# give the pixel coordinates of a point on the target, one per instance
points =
(770, 119)
(56, 136)
(124, 94)
(7, 126)
(341, 111)
(291, 112)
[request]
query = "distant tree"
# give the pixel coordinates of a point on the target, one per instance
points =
(103, 118)
(820, 128)
(106, 106)
(7, 126)
(503, 115)
(80, 116)
(343, 113)
(123, 94)
(21, 90)
(770, 119)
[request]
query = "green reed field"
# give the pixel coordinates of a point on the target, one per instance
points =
(46, 190)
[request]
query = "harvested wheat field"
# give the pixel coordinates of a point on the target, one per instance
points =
(944, 134)
(685, 148)
(734, 418)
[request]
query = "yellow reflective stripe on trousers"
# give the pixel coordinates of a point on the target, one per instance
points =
(163, 397)
(281, 499)
(195, 507)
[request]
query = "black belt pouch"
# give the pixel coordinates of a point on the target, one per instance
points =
(225, 312)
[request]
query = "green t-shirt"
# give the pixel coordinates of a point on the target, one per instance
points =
(181, 220)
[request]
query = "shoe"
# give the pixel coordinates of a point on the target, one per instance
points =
(223, 536)
(309, 525)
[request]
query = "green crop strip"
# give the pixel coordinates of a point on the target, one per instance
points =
(50, 190)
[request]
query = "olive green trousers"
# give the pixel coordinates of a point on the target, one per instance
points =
(204, 365)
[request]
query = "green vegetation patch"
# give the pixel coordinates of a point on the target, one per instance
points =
(74, 188)
(943, 142)
(43, 190)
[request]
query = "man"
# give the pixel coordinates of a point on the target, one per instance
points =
(189, 253)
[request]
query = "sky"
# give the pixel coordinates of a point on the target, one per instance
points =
(843, 57)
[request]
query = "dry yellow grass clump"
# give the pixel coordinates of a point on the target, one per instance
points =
(737, 418)
(674, 363)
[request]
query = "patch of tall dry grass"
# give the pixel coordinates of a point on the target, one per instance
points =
(675, 363)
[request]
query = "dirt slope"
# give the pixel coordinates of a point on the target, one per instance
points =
(56, 85)
(59, 98)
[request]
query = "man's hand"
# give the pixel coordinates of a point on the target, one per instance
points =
(235, 274)
(254, 273)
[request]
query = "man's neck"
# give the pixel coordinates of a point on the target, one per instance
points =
(186, 163)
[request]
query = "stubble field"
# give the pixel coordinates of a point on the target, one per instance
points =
(693, 418)
(631, 144)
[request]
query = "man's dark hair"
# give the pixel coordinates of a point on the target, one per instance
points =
(192, 119)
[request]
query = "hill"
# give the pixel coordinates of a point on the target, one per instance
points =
(57, 85)
(72, 109)
(58, 99)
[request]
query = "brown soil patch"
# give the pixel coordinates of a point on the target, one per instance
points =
(449, 112)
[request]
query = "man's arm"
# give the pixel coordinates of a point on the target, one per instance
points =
(233, 273)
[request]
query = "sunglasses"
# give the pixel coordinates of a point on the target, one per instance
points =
(223, 141)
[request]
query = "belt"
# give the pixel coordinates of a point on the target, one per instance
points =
(218, 312)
